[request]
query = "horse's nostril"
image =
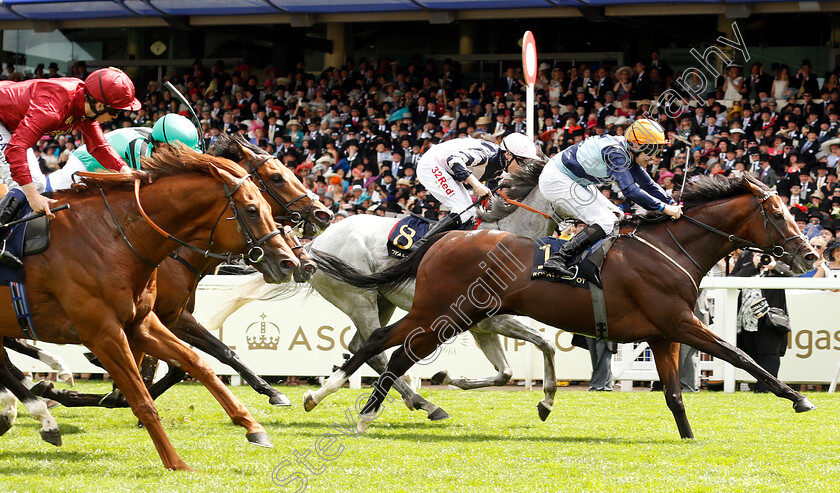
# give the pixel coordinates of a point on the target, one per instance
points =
(309, 269)
(811, 257)
(323, 215)
(287, 265)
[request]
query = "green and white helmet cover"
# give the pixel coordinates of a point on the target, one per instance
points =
(172, 127)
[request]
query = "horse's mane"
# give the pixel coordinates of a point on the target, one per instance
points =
(228, 147)
(521, 183)
(701, 190)
(166, 160)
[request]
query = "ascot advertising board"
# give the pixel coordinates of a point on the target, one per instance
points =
(304, 335)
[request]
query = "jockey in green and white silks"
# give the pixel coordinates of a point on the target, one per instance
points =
(131, 144)
(569, 181)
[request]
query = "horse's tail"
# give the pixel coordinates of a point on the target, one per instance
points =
(387, 280)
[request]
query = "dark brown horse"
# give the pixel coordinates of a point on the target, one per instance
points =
(95, 285)
(178, 275)
(650, 277)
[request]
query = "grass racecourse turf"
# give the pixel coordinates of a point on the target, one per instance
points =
(494, 441)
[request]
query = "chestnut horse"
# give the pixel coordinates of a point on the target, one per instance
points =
(650, 278)
(179, 274)
(95, 286)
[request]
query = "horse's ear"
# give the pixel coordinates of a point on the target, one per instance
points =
(248, 153)
(755, 186)
(221, 174)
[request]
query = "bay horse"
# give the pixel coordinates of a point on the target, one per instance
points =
(361, 241)
(650, 277)
(179, 274)
(96, 287)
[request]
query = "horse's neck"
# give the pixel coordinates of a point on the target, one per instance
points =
(184, 215)
(705, 247)
(527, 223)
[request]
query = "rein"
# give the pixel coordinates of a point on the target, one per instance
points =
(510, 201)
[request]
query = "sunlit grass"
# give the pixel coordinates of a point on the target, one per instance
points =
(494, 441)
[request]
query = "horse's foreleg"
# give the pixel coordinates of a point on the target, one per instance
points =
(111, 347)
(49, 427)
(53, 361)
(190, 331)
(155, 339)
(666, 355)
(695, 334)
(8, 410)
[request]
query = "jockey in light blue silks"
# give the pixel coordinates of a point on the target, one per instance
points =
(569, 181)
(131, 144)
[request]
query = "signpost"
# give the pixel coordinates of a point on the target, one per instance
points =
(529, 66)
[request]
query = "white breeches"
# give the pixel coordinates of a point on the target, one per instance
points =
(571, 199)
(445, 188)
(61, 179)
(6, 172)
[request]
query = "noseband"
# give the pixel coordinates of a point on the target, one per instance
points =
(294, 217)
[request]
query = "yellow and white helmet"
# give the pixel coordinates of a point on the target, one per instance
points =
(646, 136)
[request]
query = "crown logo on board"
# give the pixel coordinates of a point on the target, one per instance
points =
(262, 335)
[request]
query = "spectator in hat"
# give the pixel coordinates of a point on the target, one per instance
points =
(830, 267)
(53, 71)
(641, 83)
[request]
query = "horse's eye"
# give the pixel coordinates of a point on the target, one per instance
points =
(253, 210)
(277, 178)
(778, 215)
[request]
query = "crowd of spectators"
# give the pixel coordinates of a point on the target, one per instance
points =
(353, 134)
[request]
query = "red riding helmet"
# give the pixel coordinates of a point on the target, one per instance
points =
(112, 87)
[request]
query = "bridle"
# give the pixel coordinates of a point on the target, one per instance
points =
(254, 255)
(776, 250)
(294, 217)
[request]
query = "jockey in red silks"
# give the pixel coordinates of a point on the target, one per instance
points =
(33, 108)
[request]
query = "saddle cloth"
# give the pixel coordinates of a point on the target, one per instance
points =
(24, 239)
(405, 233)
(588, 263)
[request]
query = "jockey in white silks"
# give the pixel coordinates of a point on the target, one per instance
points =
(445, 167)
(569, 179)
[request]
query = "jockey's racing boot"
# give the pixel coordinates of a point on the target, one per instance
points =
(448, 223)
(10, 207)
(559, 261)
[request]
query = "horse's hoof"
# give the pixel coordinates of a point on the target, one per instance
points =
(803, 405)
(308, 402)
(260, 439)
(66, 377)
(5, 424)
(113, 399)
(440, 377)
(438, 414)
(53, 437)
(41, 388)
(279, 400)
(51, 404)
(544, 410)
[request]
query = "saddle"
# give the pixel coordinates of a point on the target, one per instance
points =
(588, 263)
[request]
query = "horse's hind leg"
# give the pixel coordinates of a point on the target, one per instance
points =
(154, 338)
(189, 330)
(666, 354)
(695, 334)
(380, 340)
(49, 428)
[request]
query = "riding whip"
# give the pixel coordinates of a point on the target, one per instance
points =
(34, 216)
(175, 92)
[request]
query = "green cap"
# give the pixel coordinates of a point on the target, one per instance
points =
(172, 127)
